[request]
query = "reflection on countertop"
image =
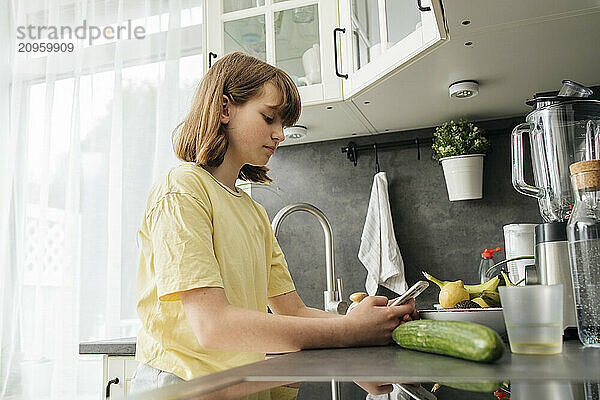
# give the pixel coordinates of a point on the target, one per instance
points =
(392, 364)
(335, 390)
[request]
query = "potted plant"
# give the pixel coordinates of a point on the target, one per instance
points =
(460, 148)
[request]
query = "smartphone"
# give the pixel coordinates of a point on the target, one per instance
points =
(414, 291)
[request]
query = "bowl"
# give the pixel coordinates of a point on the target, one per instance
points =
(490, 317)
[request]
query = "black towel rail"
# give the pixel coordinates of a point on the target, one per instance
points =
(353, 149)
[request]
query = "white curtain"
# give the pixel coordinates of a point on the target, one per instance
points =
(83, 134)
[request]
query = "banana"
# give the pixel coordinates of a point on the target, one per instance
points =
(491, 298)
(434, 280)
(481, 302)
(507, 280)
(491, 285)
(474, 290)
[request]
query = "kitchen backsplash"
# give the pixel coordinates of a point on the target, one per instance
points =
(442, 237)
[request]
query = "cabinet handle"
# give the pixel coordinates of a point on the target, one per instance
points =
(115, 381)
(421, 8)
(335, 52)
(210, 57)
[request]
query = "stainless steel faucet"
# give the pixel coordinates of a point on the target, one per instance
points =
(333, 299)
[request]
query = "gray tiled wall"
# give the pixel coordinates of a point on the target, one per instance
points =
(442, 237)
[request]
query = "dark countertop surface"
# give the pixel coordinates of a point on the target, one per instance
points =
(393, 364)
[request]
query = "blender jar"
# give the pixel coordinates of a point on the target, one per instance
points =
(562, 131)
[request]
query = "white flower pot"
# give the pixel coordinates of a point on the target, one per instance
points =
(464, 176)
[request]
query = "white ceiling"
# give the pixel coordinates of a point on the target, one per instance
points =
(519, 48)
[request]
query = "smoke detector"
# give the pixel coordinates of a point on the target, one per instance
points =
(295, 132)
(463, 89)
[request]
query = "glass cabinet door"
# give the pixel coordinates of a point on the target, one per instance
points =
(294, 35)
(385, 35)
(297, 44)
(366, 35)
(403, 18)
(236, 5)
(247, 35)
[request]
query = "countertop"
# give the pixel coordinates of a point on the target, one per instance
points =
(394, 364)
(113, 347)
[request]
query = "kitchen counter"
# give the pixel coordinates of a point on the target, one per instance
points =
(394, 364)
(113, 347)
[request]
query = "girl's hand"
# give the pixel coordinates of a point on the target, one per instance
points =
(372, 321)
(408, 317)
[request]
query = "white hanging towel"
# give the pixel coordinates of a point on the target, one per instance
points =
(379, 250)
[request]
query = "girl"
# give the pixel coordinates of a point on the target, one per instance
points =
(210, 264)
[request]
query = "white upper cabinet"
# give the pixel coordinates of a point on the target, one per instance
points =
(382, 36)
(332, 49)
(294, 35)
(394, 72)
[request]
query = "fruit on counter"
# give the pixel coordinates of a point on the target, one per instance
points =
(453, 338)
(506, 279)
(358, 297)
(492, 298)
(467, 304)
(480, 302)
(474, 290)
(452, 293)
(484, 295)
(491, 285)
(487, 299)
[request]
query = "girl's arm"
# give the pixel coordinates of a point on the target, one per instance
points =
(220, 325)
(291, 304)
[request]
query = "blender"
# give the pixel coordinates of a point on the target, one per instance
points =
(563, 129)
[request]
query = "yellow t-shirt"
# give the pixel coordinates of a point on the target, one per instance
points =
(197, 232)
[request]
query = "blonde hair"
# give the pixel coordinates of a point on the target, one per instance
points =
(201, 138)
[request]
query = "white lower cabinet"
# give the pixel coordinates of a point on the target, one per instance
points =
(118, 372)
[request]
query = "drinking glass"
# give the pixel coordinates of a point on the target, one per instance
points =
(533, 317)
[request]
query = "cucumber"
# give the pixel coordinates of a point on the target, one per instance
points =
(452, 338)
